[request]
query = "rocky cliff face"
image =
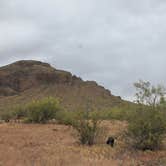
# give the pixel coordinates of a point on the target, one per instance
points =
(23, 75)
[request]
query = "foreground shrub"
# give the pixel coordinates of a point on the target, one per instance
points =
(87, 128)
(43, 110)
(147, 126)
(146, 129)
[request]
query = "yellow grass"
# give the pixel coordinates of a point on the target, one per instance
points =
(56, 145)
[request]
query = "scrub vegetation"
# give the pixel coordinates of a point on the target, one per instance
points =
(81, 125)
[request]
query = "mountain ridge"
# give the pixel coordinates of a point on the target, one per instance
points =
(25, 80)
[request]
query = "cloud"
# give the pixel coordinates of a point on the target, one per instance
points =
(114, 42)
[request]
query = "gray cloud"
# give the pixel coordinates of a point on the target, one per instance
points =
(114, 42)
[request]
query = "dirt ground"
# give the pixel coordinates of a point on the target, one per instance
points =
(57, 145)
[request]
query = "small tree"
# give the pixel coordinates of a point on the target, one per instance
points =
(148, 125)
(148, 94)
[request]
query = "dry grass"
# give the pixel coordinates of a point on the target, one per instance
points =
(56, 145)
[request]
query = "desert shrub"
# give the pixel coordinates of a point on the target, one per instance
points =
(146, 129)
(13, 113)
(19, 112)
(101, 135)
(87, 128)
(6, 116)
(43, 110)
(147, 126)
(116, 113)
(67, 117)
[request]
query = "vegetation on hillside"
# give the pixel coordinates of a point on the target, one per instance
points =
(43, 110)
(37, 111)
(146, 119)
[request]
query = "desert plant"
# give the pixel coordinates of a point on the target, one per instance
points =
(19, 112)
(148, 94)
(87, 128)
(67, 117)
(148, 124)
(42, 110)
(6, 116)
(115, 113)
(147, 129)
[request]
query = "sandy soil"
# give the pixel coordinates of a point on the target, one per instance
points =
(56, 145)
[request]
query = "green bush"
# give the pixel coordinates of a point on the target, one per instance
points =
(19, 112)
(146, 129)
(67, 117)
(43, 110)
(87, 128)
(116, 113)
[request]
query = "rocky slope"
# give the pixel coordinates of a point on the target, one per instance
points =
(23, 81)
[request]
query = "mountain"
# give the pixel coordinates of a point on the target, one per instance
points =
(23, 81)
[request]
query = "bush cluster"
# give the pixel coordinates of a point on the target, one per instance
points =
(146, 119)
(67, 117)
(43, 110)
(146, 129)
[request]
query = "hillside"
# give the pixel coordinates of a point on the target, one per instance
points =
(26, 80)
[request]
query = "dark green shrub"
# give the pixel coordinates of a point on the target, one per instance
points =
(146, 129)
(43, 110)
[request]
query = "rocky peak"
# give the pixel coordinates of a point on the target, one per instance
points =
(26, 74)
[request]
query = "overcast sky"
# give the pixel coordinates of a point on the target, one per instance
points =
(115, 42)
